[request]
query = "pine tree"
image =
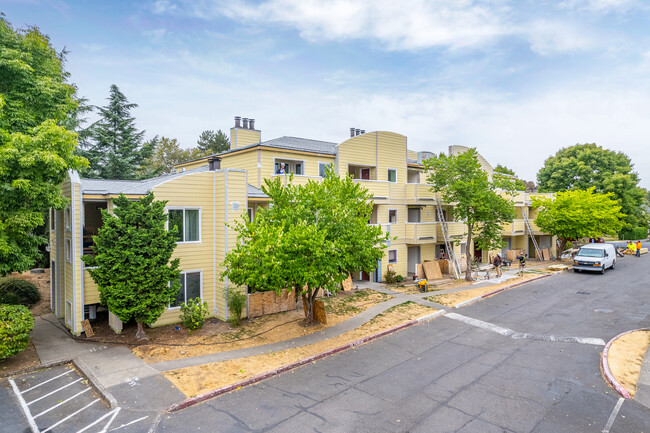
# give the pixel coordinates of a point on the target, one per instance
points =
(115, 148)
(210, 142)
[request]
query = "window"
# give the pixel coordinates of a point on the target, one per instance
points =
(322, 168)
(187, 223)
(68, 250)
(190, 288)
(392, 216)
(52, 221)
(392, 175)
(392, 256)
(68, 217)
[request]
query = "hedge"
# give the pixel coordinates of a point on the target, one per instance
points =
(16, 323)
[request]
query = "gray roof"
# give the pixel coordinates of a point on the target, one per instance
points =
(109, 186)
(291, 143)
(255, 192)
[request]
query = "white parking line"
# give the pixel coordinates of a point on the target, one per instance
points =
(70, 416)
(24, 408)
(114, 412)
(129, 423)
(43, 383)
(480, 324)
(612, 417)
(61, 403)
(54, 392)
(558, 338)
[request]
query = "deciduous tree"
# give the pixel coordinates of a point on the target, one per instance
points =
(167, 153)
(520, 185)
(584, 166)
(133, 269)
(115, 146)
(310, 238)
(461, 180)
(36, 150)
(578, 214)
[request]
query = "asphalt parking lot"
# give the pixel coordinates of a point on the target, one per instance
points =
(59, 399)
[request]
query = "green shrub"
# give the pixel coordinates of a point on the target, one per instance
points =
(193, 313)
(633, 234)
(236, 304)
(15, 291)
(16, 322)
(399, 278)
(390, 277)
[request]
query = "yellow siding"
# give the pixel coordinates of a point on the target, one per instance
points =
(240, 137)
(91, 293)
(246, 160)
(411, 154)
(391, 153)
(427, 251)
(359, 150)
(191, 165)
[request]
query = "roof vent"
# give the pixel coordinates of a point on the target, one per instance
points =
(245, 119)
(214, 164)
(351, 132)
(237, 121)
(251, 123)
(357, 131)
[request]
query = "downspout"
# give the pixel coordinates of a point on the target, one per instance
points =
(214, 243)
(81, 250)
(73, 260)
(226, 236)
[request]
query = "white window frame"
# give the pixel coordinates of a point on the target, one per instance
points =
(396, 216)
(68, 250)
(184, 208)
(183, 273)
(321, 163)
(67, 218)
(292, 162)
(463, 248)
(390, 251)
(388, 177)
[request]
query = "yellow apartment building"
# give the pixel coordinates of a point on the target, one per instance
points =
(206, 193)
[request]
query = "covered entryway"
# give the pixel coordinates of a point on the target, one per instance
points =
(413, 258)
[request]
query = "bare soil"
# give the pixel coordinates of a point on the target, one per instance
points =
(444, 284)
(626, 356)
(197, 380)
(168, 342)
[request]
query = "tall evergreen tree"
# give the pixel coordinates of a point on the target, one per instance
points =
(210, 142)
(115, 148)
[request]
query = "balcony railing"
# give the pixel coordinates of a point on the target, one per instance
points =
(419, 192)
(417, 232)
(379, 189)
(298, 179)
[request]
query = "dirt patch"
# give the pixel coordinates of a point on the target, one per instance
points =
(455, 298)
(626, 356)
(28, 358)
(443, 284)
(215, 337)
(196, 380)
(42, 281)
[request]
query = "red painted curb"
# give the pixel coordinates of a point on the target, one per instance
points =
(609, 377)
(219, 391)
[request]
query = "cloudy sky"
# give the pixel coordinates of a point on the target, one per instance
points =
(516, 79)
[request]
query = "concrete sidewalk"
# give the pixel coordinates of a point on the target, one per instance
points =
(643, 385)
(124, 379)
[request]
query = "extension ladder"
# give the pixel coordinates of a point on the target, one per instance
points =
(530, 233)
(453, 261)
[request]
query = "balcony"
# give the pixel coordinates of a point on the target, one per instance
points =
(421, 232)
(91, 293)
(454, 228)
(298, 179)
(379, 189)
(419, 193)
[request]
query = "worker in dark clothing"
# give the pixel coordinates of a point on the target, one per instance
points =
(522, 263)
(498, 261)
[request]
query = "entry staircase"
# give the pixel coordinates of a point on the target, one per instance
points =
(529, 230)
(453, 261)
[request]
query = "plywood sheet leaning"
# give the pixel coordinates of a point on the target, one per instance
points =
(432, 270)
(347, 283)
(444, 266)
(419, 271)
(546, 254)
(261, 303)
(319, 312)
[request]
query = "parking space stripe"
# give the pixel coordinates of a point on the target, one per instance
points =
(54, 392)
(24, 408)
(480, 324)
(43, 383)
(114, 412)
(129, 423)
(70, 416)
(61, 403)
(613, 415)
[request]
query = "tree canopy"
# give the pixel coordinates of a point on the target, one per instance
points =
(210, 142)
(115, 147)
(166, 154)
(520, 185)
(461, 180)
(578, 214)
(584, 166)
(36, 150)
(134, 272)
(311, 237)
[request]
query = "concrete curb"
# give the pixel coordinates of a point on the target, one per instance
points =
(95, 383)
(494, 292)
(223, 390)
(609, 377)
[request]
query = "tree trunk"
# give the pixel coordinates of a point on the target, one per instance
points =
(140, 334)
(468, 271)
(561, 247)
(308, 301)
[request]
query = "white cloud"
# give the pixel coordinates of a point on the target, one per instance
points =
(602, 6)
(551, 37)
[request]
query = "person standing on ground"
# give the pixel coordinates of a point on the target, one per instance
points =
(522, 263)
(638, 248)
(497, 264)
(632, 247)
